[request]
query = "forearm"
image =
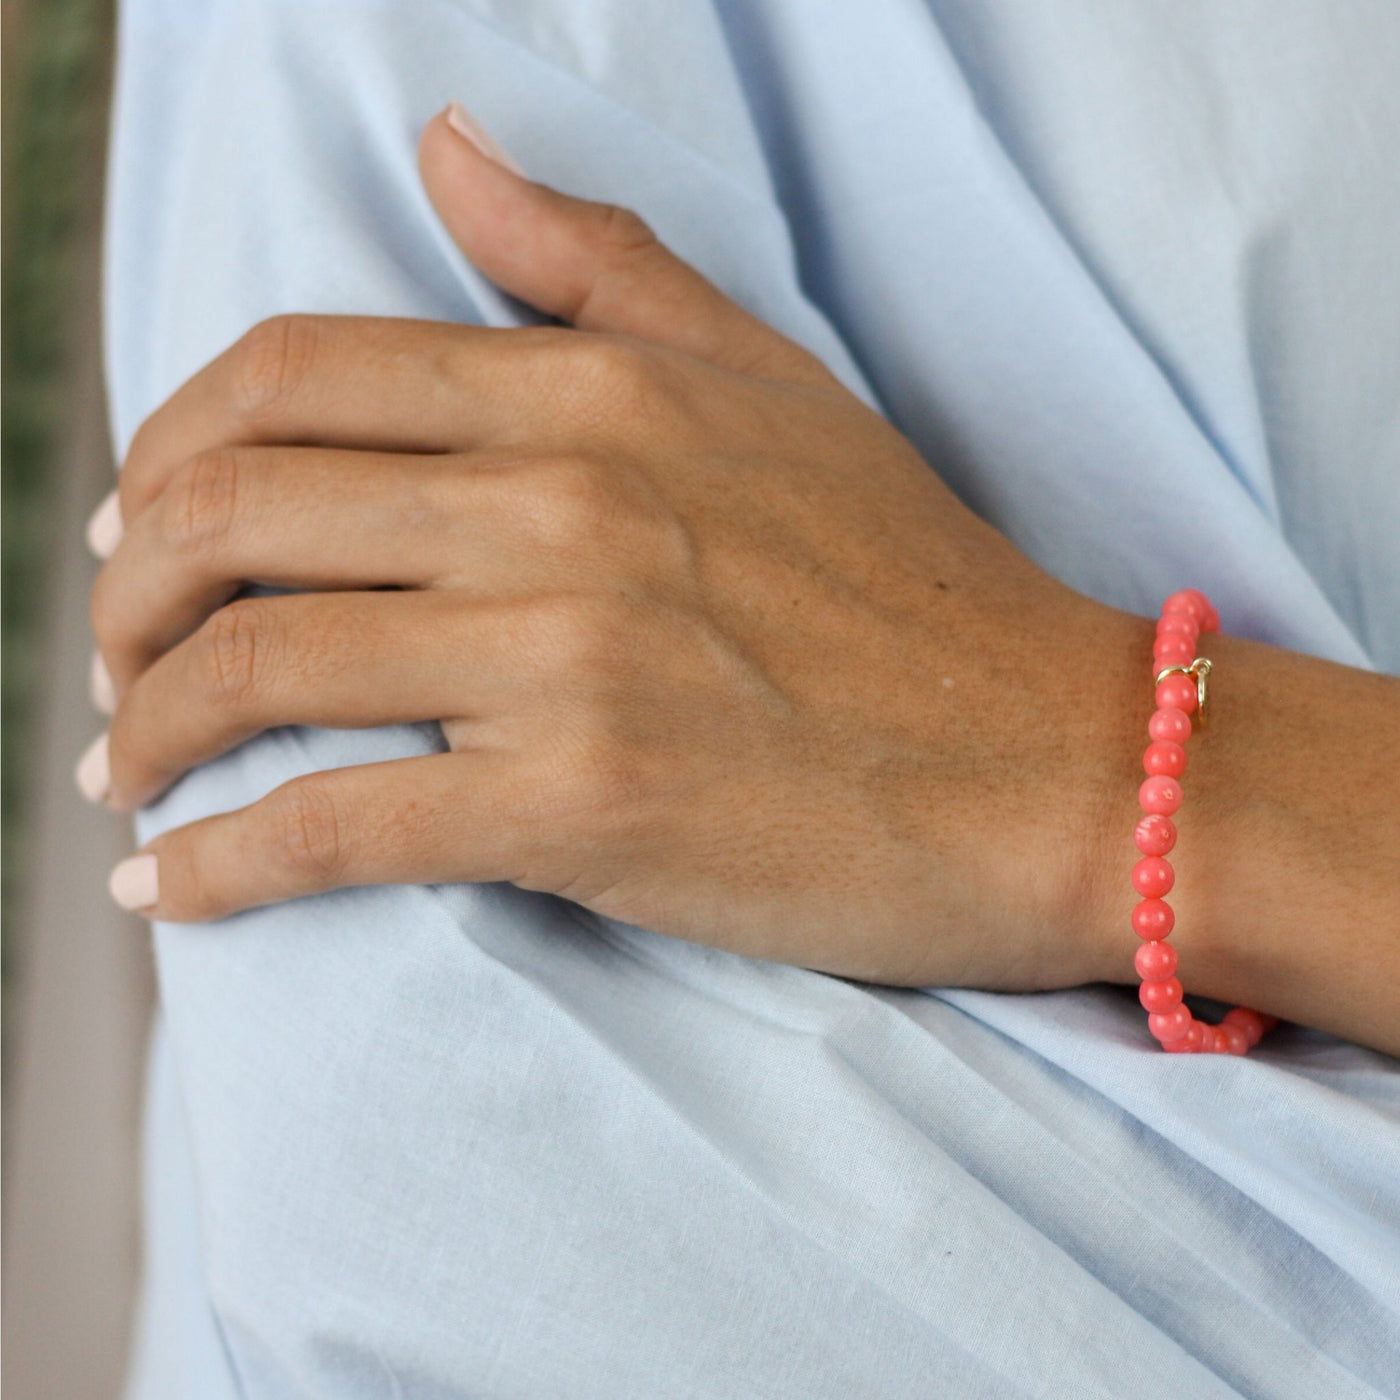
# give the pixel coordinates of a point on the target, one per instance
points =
(1287, 894)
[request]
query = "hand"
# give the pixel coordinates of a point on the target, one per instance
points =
(715, 651)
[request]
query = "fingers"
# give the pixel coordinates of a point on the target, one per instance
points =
(343, 661)
(595, 265)
(290, 517)
(446, 817)
(320, 519)
(366, 382)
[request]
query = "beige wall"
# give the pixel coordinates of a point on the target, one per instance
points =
(81, 975)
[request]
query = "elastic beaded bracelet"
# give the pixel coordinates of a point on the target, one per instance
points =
(1180, 678)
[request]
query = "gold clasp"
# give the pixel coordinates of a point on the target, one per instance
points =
(1200, 668)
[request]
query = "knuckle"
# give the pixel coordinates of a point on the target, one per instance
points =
(201, 500)
(579, 637)
(610, 512)
(618, 381)
(238, 642)
(618, 363)
(310, 830)
(574, 501)
(622, 234)
(648, 538)
(670, 544)
(270, 362)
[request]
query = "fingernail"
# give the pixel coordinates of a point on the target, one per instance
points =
(135, 882)
(464, 124)
(93, 773)
(100, 689)
(104, 528)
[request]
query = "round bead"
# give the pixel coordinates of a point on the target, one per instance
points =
(1222, 1041)
(1161, 996)
(1155, 962)
(1196, 1036)
(1176, 692)
(1172, 651)
(1250, 1022)
(1188, 600)
(1159, 795)
(1164, 756)
(1153, 877)
(1153, 919)
(1167, 1026)
(1209, 619)
(1236, 1041)
(1171, 724)
(1155, 835)
(1189, 1044)
(1178, 624)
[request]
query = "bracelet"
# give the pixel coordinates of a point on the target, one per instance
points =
(1180, 677)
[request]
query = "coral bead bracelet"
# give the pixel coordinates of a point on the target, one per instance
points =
(1180, 677)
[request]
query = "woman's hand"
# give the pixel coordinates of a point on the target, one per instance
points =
(715, 651)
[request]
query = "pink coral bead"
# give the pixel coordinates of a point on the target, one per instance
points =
(1159, 795)
(1161, 996)
(1172, 651)
(1155, 835)
(1153, 877)
(1179, 624)
(1236, 1041)
(1167, 1026)
(1250, 1022)
(1190, 1043)
(1190, 601)
(1170, 724)
(1209, 619)
(1176, 693)
(1206, 1044)
(1155, 962)
(1164, 756)
(1153, 919)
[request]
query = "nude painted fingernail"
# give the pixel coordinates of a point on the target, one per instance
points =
(94, 773)
(464, 124)
(104, 528)
(101, 691)
(135, 882)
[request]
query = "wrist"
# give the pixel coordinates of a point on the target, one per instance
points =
(1111, 733)
(1284, 894)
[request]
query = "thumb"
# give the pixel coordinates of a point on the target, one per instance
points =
(597, 266)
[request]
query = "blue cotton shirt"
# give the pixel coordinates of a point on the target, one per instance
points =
(1126, 273)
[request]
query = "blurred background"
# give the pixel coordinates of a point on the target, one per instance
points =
(76, 971)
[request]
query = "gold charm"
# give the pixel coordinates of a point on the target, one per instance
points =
(1200, 668)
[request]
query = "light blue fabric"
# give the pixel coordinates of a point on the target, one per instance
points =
(1126, 272)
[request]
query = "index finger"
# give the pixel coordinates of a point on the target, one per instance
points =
(368, 382)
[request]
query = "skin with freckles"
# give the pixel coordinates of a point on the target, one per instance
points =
(714, 650)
